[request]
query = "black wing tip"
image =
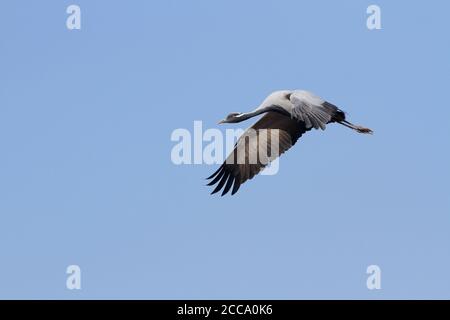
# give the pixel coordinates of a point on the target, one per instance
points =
(215, 173)
(225, 180)
(236, 186)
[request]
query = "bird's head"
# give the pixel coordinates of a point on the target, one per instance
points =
(231, 118)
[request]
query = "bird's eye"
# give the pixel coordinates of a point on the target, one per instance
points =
(288, 96)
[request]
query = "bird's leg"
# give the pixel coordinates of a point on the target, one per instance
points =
(359, 129)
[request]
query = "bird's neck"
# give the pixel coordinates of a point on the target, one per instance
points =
(247, 115)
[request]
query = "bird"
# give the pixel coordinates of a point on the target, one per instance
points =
(289, 114)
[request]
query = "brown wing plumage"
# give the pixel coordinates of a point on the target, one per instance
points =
(244, 162)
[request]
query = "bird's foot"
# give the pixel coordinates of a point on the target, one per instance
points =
(363, 130)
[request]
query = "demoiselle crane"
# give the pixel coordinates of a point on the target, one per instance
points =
(288, 114)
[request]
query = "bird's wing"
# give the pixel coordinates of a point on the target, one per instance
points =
(253, 151)
(312, 110)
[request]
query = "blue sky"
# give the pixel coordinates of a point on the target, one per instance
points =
(86, 176)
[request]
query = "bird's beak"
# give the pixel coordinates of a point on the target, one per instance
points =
(221, 121)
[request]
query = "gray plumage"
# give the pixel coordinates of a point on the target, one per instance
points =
(288, 114)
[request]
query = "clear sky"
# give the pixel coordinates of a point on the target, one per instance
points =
(86, 176)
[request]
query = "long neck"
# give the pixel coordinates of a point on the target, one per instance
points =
(257, 112)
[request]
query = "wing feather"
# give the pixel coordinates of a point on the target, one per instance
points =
(312, 110)
(239, 167)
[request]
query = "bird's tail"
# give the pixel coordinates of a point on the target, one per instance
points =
(359, 129)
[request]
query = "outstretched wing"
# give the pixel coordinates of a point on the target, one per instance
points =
(253, 151)
(313, 110)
